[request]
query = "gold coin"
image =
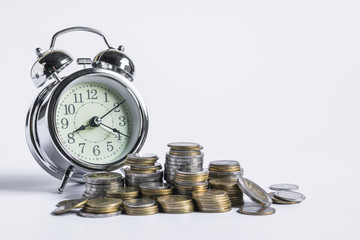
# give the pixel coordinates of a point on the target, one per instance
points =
(71, 201)
(104, 202)
(69, 206)
(184, 146)
(256, 210)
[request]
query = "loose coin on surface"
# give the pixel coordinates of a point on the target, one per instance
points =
(69, 206)
(279, 201)
(71, 201)
(256, 210)
(284, 186)
(290, 196)
(98, 215)
(254, 191)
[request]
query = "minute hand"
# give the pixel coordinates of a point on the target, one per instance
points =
(113, 109)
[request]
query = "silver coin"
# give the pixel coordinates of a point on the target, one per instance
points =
(254, 191)
(69, 206)
(193, 171)
(144, 156)
(156, 165)
(256, 210)
(184, 158)
(139, 202)
(98, 215)
(280, 201)
(183, 145)
(290, 196)
(191, 184)
(225, 163)
(284, 187)
(154, 185)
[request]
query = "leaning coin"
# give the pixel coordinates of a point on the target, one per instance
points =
(290, 196)
(254, 191)
(98, 215)
(70, 201)
(69, 206)
(279, 201)
(256, 210)
(284, 186)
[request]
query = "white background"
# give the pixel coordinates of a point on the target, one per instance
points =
(273, 84)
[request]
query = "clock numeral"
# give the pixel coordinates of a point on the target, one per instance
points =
(106, 97)
(122, 121)
(109, 147)
(82, 145)
(96, 150)
(65, 123)
(69, 109)
(78, 98)
(118, 136)
(71, 139)
(92, 94)
(116, 109)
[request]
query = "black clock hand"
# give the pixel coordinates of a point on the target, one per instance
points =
(82, 127)
(114, 130)
(113, 109)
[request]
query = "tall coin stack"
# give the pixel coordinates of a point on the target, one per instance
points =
(97, 183)
(143, 168)
(176, 204)
(183, 156)
(225, 169)
(229, 185)
(212, 201)
(154, 190)
(192, 180)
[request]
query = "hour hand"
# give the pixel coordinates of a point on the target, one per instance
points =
(82, 127)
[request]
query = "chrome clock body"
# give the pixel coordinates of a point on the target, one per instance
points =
(116, 71)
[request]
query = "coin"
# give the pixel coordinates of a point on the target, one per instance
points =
(69, 206)
(102, 177)
(184, 146)
(70, 201)
(279, 201)
(123, 193)
(104, 202)
(98, 215)
(289, 196)
(139, 202)
(212, 201)
(142, 156)
(254, 191)
(224, 166)
(256, 210)
(184, 153)
(284, 186)
(139, 206)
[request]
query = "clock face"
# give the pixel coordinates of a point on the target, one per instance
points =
(94, 122)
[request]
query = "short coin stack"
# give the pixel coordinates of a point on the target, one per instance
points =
(101, 207)
(123, 193)
(143, 168)
(98, 183)
(154, 190)
(285, 194)
(212, 201)
(230, 186)
(188, 181)
(140, 206)
(176, 204)
(182, 156)
(225, 169)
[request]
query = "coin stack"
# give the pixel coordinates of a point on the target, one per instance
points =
(101, 207)
(154, 190)
(188, 181)
(182, 156)
(141, 159)
(140, 206)
(176, 204)
(230, 186)
(123, 193)
(225, 169)
(134, 179)
(212, 201)
(98, 183)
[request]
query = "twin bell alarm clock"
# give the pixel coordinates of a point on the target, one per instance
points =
(86, 121)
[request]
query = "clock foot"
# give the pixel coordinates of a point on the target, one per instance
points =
(69, 172)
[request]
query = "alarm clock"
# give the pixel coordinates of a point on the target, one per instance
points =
(86, 121)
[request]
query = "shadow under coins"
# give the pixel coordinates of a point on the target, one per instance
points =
(37, 183)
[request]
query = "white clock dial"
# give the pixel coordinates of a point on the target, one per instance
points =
(93, 122)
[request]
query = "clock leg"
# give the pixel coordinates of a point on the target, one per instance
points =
(69, 172)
